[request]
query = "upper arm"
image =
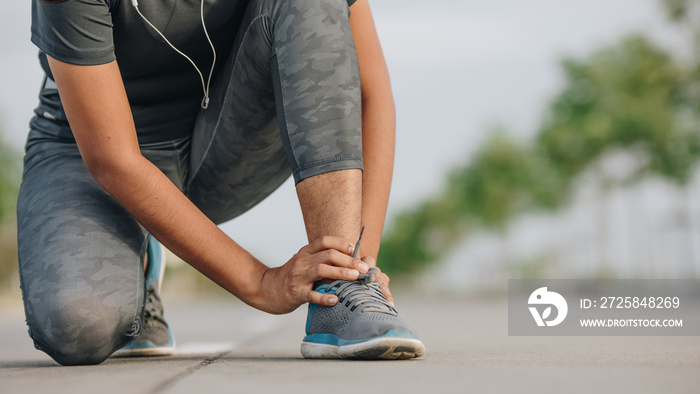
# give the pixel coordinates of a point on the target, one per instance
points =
(76, 37)
(373, 70)
(98, 111)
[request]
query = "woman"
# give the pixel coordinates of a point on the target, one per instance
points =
(163, 118)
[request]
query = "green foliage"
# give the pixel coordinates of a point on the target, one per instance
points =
(10, 167)
(10, 164)
(625, 96)
(406, 248)
(503, 178)
(631, 96)
(677, 9)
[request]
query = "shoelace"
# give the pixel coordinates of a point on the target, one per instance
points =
(154, 307)
(362, 294)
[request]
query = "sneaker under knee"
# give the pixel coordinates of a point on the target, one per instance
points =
(156, 337)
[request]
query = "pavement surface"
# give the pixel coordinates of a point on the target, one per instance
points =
(225, 346)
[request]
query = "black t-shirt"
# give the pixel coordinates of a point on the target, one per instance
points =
(163, 88)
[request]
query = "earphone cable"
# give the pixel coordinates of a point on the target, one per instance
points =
(205, 100)
(205, 87)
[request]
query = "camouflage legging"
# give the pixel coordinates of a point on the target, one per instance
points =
(287, 102)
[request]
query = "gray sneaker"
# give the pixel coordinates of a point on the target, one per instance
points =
(362, 325)
(156, 338)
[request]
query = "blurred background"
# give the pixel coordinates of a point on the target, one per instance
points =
(538, 139)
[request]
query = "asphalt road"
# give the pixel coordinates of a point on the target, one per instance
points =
(225, 346)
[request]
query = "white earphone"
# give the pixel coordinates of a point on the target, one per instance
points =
(205, 86)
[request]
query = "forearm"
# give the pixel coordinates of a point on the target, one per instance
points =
(165, 212)
(379, 124)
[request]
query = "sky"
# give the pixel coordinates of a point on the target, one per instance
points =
(459, 68)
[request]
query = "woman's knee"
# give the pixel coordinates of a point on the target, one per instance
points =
(80, 331)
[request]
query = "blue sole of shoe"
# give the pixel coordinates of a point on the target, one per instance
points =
(382, 348)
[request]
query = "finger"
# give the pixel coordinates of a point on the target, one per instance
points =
(387, 294)
(336, 258)
(370, 261)
(330, 242)
(315, 297)
(324, 271)
(383, 281)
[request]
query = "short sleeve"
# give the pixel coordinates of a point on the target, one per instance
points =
(351, 2)
(76, 32)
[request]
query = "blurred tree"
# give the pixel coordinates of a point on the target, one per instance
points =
(503, 179)
(629, 96)
(678, 10)
(685, 13)
(632, 96)
(10, 167)
(10, 163)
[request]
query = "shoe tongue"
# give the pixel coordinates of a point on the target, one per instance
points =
(363, 279)
(364, 293)
(368, 297)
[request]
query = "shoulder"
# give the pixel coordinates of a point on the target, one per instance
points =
(75, 31)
